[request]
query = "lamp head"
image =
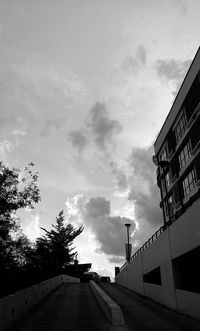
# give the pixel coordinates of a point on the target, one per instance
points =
(127, 225)
(155, 160)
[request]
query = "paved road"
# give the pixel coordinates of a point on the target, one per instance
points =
(72, 307)
(142, 314)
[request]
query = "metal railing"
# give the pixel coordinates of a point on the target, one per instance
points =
(146, 244)
(162, 228)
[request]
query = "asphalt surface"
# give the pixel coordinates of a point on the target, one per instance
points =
(143, 314)
(72, 307)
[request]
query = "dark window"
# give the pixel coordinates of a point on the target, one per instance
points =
(180, 127)
(193, 97)
(187, 272)
(189, 182)
(153, 277)
(184, 154)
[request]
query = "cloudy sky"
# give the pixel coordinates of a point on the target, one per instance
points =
(85, 86)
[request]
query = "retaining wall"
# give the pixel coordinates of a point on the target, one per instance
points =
(180, 238)
(14, 306)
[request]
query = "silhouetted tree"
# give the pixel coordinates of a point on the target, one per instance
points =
(54, 250)
(17, 190)
(22, 248)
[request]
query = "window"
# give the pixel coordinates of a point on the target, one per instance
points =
(186, 271)
(169, 206)
(165, 183)
(153, 277)
(163, 154)
(167, 179)
(184, 154)
(189, 182)
(180, 127)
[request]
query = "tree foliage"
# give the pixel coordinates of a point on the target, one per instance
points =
(20, 259)
(54, 250)
(18, 189)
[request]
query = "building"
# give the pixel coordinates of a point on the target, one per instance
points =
(178, 143)
(165, 268)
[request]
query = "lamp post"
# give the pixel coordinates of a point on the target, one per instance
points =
(127, 225)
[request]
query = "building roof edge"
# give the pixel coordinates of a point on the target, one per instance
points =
(198, 51)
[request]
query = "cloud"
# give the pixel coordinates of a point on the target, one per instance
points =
(181, 5)
(132, 64)
(172, 71)
(117, 260)
(101, 126)
(144, 191)
(51, 126)
(98, 128)
(108, 230)
(1, 30)
(31, 225)
(45, 79)
(31, 89)
(138, 185)
(5, 150)
(78, 140)
(119, 176)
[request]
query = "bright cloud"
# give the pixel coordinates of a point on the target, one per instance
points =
(31, 225)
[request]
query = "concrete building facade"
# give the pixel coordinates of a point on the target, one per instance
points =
(166, 267)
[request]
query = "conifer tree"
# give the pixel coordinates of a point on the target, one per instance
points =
(54, 250)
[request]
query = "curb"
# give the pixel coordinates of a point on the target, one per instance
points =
(110, 308)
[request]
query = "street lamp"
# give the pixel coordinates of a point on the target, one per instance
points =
(127, 225)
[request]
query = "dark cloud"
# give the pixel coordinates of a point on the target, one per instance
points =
(117, 260)
(133, 64)
(98, 207)
(109, 230)
(172, 70)
(101, 126)
(78, 140)
(51, 126)
(98, 128)
(119, 175)
(144, 191)
(181, 6)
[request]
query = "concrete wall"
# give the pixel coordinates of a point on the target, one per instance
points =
(185, 232)
(181, 237)
(133, 278)
(14, 306)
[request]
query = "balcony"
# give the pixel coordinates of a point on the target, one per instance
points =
(194, 116)
(196, 148)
